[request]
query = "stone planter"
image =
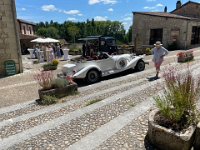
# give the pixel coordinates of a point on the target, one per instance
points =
(166, 139)
(59, 92)
(49, 67)
(185, 59)
(197, 138)
(181, 59)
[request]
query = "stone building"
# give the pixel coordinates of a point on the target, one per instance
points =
(179, 28)
(26, 34)
(9, 36)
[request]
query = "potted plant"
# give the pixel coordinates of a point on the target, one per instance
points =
(56, 87)
(148, 51)
(51, 66)
(185, 56)
(172, 125)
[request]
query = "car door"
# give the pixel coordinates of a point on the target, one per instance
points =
(106, 64)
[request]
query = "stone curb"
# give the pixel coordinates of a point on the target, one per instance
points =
(27, 134)
(59, 106)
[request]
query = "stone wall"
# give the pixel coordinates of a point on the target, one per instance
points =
(190, 10)
(144, 23)
(9, 37)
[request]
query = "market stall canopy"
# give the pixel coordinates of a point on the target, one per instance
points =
(46, 40)
(50, 40)
(38, 40)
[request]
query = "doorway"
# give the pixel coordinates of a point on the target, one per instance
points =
(155, 35)
(195, 39)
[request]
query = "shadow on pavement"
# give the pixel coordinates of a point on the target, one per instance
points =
(148, 145)
(150, 79)
(82, 83)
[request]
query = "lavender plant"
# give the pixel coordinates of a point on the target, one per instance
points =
(182, 90)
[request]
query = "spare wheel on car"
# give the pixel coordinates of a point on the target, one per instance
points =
(121, 63)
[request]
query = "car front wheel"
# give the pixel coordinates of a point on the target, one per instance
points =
(93, 76)
(140, 65)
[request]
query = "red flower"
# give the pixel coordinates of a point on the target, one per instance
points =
(70, 79)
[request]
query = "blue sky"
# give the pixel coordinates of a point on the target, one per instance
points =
(81, 10)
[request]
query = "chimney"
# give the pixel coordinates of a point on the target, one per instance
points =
(178, 4)
(165, 10)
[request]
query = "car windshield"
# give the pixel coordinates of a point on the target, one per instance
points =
(110, 42)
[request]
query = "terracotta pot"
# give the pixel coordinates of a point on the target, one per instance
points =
(182, 59)
(166, 139)
(59, 92)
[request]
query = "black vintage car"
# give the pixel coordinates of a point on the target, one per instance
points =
(97, 44)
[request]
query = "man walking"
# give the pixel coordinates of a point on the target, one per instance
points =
(158, 56)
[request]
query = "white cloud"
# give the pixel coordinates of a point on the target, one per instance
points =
(151, 0)
(149, 8)
(49, 8)
(92, 2)
(69, 12)
(100, 18)
(111, 9)
(72, 12)
(80, 14)
(154, 7)
(23, 9)
(128, 18)
(159, 5)
(72, 19)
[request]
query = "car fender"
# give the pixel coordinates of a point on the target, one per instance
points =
(134, 62)
(83, 72)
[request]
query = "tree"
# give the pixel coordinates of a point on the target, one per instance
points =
(48, 32)
(129, 34)
(73, 31)
(52, 32)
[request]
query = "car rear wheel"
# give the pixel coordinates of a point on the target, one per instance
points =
(93, 76)
(140, 65)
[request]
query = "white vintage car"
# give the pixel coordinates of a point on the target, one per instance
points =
(105, 65)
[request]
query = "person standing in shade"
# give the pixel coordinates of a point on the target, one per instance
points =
(159, 52)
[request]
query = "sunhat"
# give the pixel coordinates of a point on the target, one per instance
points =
(158, 43)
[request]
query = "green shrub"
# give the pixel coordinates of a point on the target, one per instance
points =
(49, 66)
(55, 62)
(178, 104)
(148, 51)
(60, 83)
(48, 100)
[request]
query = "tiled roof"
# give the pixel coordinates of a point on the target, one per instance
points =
(163, 14)
(27, 22)
(189, 2)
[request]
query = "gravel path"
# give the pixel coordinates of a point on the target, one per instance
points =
(64, 124)
(132, 136)
(91, 89)
(87, 123)
(24, 81)
(67, 134)
(23, 125)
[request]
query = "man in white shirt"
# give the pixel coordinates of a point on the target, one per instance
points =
(158, 56)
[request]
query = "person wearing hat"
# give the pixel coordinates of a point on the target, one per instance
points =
(158, 55)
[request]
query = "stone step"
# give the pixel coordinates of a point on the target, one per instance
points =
(97, 85)
(11, 140)
(96, 138)
(58, 128)
(51, 109)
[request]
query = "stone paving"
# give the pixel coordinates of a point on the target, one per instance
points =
(117, 121)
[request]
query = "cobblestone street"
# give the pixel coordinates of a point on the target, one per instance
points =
(118, 121)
